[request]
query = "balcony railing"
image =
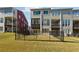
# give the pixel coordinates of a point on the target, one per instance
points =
(35, 26)
(55, 32)
(8, 14)
(55, 25)
(76, 26)
(8, 23)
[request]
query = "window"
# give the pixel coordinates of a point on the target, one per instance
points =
(46, 22)
(66, 22)
(45, 30)
(8, 10)
(1, 28)
(14, 22)
(45, 12)
(1, 20)
(8, 20)
(35, 21)
(55, 13)
(14, 29)
(67, 31)
(68, 12)
(9, 29)
(76, 13)
(38, 21)
(36, 12)
(32, 21)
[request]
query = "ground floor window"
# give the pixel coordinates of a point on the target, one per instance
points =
(45, 30)
(14, 29)
(1, 29)
(8, 29)
(36, 31)
(67, 32)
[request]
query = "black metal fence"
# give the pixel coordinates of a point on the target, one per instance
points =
(39, 37)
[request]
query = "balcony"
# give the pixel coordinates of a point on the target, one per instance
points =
(8, 14)
(35, 26)
(14, 24)
(76, 26)
(55, 26)
(8, 23)
(35, 16)
(55, 32)
(75, 17)
(55, 17)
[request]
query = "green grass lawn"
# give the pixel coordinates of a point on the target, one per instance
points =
(9, 44)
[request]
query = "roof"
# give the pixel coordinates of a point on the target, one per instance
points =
(62, 9)
(40, 9)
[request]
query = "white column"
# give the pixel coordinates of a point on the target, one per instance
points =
(67, 26)
(4, 24)
(12, 20)
(50, 25)
(61, 26)
(16, 20)
(71, 26)
(41, 19)
(50, 20)
(61, 20)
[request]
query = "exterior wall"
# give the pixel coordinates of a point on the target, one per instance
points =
(2, 24)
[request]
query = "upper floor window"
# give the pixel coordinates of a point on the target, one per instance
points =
(76, 13)
(46, 22)
(8, 20)
(36, 12)
(1, 20)
(8, 10)
(68, 12)
(66, 22)
(45, 12)
(35, 21)
(55, 13)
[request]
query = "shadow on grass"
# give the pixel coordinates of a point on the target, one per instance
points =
(53, 41)
(71, 41)
(45, 40)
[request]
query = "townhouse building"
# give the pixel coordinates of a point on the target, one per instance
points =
(45, 20)
(10, 19)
